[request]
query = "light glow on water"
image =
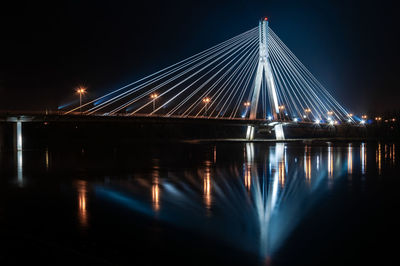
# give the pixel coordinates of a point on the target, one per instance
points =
(257, 211)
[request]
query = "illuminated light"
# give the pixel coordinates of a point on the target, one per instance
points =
(349, 120)
(304, 116)
(269, 117)
(330, 113)
(247, 104)
(81, 90)
(296, 119)
(243, 116)
(330, 163)
(82, 202)
(336, 122)
(317, 121)
(265, 19)
(329, 119)
(281, 107)
(362, 122)
(153, 95)
(363, 156)
(207, 187)
(393, 119)
(307, 163)
(331, 122)
(350, 115)
(206, 100)
(350, 160)
(379, 158)
(307, 110)
(364, 117)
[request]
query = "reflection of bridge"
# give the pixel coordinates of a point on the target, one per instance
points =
(250, 77)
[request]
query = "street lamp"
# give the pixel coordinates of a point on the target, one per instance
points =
(247, 104)
(330, 113)
(350, 115)
(307, 111)
(81, 91)
(281, 108)
(154, 96)
(206, 100)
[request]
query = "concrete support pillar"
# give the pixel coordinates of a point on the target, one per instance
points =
(250, 132)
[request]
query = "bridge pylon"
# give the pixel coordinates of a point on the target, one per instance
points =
(264, 73)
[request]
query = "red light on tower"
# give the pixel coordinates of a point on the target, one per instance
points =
(265, 19)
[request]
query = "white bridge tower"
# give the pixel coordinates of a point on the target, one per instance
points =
(264, 72)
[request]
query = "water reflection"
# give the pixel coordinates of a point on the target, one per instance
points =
(393, 154)
(307, 163)
(379, 158)
(257, 202)
(330, 164)
(349, 159)
(249, 161)
(47, 158)
(155, 189)
(81, 186)
(20, 178)
(207, 186)
(363, 158)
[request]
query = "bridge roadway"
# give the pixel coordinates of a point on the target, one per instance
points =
(41, 128)
(42, 117)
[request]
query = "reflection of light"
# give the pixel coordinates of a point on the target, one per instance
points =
(363, 156)
(155, 188)
(215, 154)
(330, 162)
(281, 173)
(249, 154)
(350, 159)
(386, 147)
(393, 154)
(155, 195)
(47, 159)
(82, 201)
(307, 163)
(19, 135)
(19, 169)
(379, 158)
(207, 186)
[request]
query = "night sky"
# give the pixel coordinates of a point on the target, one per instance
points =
(48, 49)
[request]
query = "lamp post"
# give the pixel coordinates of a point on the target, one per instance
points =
(206, 100)
(154, 96)
(281, 109)
(247, 105)
(81, 91)
(307, 111)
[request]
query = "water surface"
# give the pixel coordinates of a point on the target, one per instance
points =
(208, 203)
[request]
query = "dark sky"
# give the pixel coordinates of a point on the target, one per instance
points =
(47, 49)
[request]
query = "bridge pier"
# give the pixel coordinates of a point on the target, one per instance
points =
(279, 134)
(250, 132)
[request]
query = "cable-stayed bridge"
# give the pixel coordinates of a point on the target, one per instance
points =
(252, 76)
